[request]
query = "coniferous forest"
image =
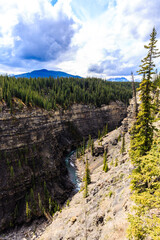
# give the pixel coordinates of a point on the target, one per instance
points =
(50, 93)
(144, 153)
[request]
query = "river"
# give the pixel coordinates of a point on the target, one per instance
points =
(72, 169)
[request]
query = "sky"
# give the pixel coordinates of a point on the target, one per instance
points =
(96, 38)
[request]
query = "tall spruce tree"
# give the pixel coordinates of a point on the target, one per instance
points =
(87, 179)
(142, 131)
(123, 144)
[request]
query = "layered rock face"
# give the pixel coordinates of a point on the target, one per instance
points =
(33, 175)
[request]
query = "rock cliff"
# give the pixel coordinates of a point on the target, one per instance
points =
(33, 143)
(103, 214)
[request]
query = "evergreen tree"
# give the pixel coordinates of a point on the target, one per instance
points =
(106, 129)
(142, 131)
(116, 162)
(105, 164)
(99, 134)
(123, 144)
(104, 160)
(89, 141)
(106, 167)
(77, 153)
(85, 190)
(87, 179)
(92, 147)
(87, 173)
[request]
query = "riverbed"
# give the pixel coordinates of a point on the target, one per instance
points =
(72, 169)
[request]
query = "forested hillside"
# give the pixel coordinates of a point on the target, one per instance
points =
(50, 93)
(144, 153)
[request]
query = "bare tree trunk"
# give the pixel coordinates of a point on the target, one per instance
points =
(135, 107)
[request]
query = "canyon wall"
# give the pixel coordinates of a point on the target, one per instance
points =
(33, 144)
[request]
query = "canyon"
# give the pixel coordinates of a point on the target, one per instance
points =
(34, 143)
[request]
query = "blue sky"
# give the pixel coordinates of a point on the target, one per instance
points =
(100, 38)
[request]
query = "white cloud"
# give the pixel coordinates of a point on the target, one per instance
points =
(103, 35)
(124, 27)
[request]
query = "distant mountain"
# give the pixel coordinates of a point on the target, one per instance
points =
(45, 73)
(118, 79)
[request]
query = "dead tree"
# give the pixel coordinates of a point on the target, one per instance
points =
(135, 106)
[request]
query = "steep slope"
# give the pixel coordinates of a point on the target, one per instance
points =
(33, 174)
(103, 214)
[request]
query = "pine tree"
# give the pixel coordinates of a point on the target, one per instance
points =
(106, 168)
(77, 153)
(106, 129)
(87, 173)
(87, 179)
(104, 159)
(85, 190)
(123, 144)
(116, 162)
(142, 131)
(99, 134)
(89, 141)
(92, 147)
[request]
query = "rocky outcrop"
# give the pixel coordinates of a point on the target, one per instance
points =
(33, 143)
(103, 214)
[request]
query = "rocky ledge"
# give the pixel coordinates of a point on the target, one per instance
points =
(33, 142)
(103, 214)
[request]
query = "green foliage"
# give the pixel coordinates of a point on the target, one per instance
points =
(123, 144)
(92, 147)
(106, 168)
(39, 201)
(81, 150)
(142, 131)
(77, 153)
(85, 194)
(106, 129)
(12, 171)
(119, 138)
(145, 155)
(145, 221)
(111, 163)
(87, 173)
(16, 212)
(87, 179)
(50, 204)
(116, 162)
(68, 202)
(156, 100)
(103, 132)
(105, 164)
(110, 194)
(32, 194)
(46, 193)
(28, 211)
(99, 134)
(89, 141)
(50, 93)
(83, 146)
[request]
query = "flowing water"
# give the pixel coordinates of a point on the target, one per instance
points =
(72, 170)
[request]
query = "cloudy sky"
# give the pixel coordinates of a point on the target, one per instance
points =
(99, 38)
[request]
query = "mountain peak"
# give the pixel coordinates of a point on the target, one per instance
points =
(45, 73)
